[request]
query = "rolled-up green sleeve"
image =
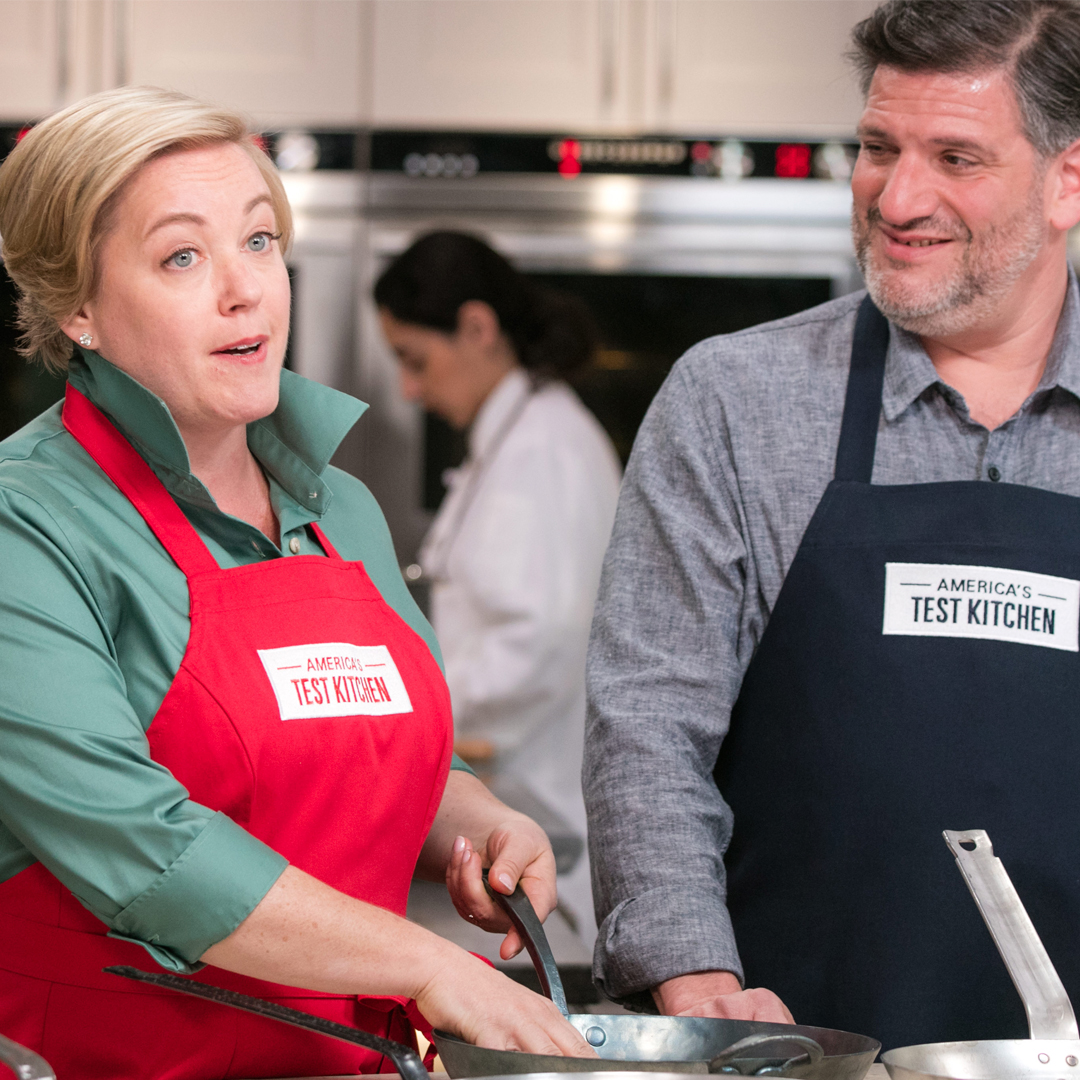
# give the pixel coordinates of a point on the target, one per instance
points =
(79, 790)
(224, 870)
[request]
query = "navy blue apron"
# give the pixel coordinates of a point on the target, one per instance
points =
(851, 749)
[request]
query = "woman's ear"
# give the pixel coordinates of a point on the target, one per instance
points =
(80, 323)
(478, 325)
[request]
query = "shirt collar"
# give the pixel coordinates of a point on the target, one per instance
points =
(294, 443)
(496, 410)
(909, 371)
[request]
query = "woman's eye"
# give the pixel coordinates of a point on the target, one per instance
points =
(260, 241)
(182, 259)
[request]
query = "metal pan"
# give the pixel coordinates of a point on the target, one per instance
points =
(1053, 1051)
(682, 1044)
(405, 1060)
(25, 1064)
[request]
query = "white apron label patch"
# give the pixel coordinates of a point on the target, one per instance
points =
(945, 600)
(335, 679)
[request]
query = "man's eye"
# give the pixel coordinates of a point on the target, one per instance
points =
(182, 259)
(260, 241)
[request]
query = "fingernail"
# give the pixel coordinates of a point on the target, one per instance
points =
(506, 881)
(459, 845)
(465, 858)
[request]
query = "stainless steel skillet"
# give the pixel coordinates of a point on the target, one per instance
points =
(406, 1061)
(683, 1044)
(1053, 1051)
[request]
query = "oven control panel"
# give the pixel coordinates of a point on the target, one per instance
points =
(460, 155)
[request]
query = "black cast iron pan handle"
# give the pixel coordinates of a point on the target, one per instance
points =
(522, 915)
(405, 1060)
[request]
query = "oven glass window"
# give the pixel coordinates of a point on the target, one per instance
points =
(646, 322)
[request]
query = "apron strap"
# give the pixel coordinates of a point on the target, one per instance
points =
(125, 467)
(862, 405)
(329, 548)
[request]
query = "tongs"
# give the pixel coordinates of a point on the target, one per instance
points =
(405, 1059)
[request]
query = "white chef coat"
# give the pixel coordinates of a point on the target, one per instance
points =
(514, 555)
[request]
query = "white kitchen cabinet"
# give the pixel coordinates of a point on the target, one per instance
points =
(283, 62)
(31, 73)
(509, 64)
(754, 67)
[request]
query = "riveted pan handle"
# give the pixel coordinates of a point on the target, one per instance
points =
(407, 1063)
(25, 1064)
(525, 921)
(743, 1057)
(1049, 1011)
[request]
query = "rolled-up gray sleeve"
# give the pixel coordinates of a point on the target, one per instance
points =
(672, 637)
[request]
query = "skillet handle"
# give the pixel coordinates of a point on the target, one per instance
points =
(519, 908)
(757, 1047)
(1046, 1002)
(24, 1063)
(405, 1060)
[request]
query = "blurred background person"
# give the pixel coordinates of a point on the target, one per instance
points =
(513, 555)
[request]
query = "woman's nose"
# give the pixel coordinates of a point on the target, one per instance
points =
(411, 387)
(238, 286)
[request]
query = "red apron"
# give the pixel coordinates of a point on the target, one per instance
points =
(307, 711)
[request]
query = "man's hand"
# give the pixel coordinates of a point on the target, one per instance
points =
(718, 993)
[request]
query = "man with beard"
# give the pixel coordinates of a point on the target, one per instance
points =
(840, 608)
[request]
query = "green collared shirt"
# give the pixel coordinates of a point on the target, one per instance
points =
(93, 627)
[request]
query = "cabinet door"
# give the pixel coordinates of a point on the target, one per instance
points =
(31, 74)
(540, 64)
(757, 67)
(282, 62)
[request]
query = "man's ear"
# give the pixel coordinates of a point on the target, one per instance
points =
(1063, 195)
(478, 324)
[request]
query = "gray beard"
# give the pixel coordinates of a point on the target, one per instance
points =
(970, 295)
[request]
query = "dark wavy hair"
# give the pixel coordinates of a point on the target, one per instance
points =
(1036, 41)
(552, 333)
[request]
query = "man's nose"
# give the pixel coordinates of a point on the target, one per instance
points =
(909, 193)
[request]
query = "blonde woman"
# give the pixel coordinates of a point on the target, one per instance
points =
(227, 738)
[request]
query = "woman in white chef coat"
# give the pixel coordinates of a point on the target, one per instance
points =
(514, 553)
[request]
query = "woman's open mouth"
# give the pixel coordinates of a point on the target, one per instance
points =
(248, 349)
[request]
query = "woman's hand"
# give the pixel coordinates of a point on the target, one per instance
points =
(519, 852)
(484, 1007)
(303, 933)
(473, 828)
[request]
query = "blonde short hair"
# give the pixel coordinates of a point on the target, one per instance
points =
(58, 185)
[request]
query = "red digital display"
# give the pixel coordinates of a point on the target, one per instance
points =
(793, 160)
(569, 158)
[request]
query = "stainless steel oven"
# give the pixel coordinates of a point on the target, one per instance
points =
(667, 241)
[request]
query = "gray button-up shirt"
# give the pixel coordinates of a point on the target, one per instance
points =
(727, 470)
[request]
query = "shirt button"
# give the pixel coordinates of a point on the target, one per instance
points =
(294, 545)
(994, 473)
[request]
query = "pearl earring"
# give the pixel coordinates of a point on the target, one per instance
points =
(86, 340)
